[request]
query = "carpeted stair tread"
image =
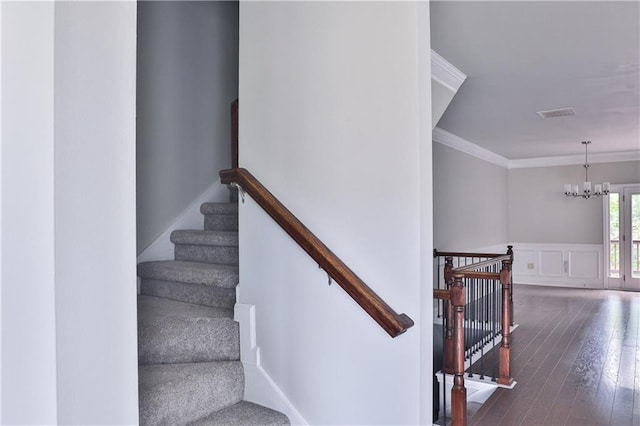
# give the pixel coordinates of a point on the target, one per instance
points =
(190, 272)
(244, 414)
(219, 208)
(219, 247)
(174, 332)
(221, 216)
(220, 222)
(207, 254)
(205, 238)
(198, 294)
(172, 394)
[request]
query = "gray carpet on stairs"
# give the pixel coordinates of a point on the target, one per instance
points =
(244, 414)
(174, 332)
(207, 254)
(188, 343)
(173, 394)
(219, 247)
(220, 216)
(205, 238)
(221, 222)
(219, 209)
(190, 272)
(206, 295)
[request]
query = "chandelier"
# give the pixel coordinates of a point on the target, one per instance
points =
(574, 190)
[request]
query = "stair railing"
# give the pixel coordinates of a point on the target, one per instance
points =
(474, 296)
(393, 323)
(488, 318)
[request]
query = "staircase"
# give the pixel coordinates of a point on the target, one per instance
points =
(188, 343)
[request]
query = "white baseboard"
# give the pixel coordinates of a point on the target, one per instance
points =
(161, 248)
(260, 388)
(559, 265)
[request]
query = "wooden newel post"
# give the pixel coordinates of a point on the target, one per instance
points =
(504, 361)
(510, 253)
(448, 341)
(458, 392)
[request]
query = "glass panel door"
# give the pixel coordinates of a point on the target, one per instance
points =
(631, 238)
(622, 237)
(612, 239)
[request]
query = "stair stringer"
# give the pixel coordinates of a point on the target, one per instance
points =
(260, 388)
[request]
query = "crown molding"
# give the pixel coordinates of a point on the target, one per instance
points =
(460, 144)
(445, 73)
(456, 142)
(569, 160)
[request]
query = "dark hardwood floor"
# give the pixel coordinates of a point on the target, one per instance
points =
(576, 358)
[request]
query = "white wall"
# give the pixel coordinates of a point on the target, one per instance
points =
(469, 201)
(187, 77)
(68, 213)
(335, 121)
(95, 270)
(0, 212)
(27, 229)
(539, 212)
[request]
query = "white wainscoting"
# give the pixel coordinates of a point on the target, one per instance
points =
(561, 265)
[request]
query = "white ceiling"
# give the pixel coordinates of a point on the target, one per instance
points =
(523, 57)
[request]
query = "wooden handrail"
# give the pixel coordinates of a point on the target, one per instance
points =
(437, 253)
(478, 265)
(480, 275)
(393, 323)
(441, 294)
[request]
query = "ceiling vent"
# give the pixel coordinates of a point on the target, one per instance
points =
(552, 113)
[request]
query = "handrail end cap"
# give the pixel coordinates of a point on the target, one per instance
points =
(406, 322)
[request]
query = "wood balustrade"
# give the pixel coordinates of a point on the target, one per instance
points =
(504, 277)
(460, 276)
